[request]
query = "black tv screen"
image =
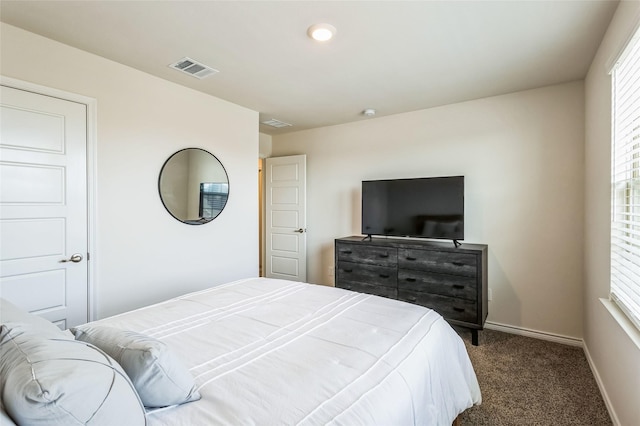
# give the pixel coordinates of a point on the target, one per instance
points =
(422, 207)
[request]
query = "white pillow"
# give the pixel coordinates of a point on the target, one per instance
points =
(158, 376)
(48, 380)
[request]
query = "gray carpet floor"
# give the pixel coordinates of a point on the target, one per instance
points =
(526, 381)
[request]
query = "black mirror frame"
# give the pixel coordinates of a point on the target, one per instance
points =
(200, 221)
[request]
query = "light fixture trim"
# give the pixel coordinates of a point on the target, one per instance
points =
(321, 32)
(369, 112)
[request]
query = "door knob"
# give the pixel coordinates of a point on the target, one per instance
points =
(75, 258)
(299, 230)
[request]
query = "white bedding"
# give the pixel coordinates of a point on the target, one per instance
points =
(273, 352)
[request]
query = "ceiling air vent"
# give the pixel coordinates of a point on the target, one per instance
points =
(276, 123)
(193, 68)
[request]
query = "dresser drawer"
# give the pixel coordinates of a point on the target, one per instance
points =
(386, 276)
(371, 255)
(443, 262)
(458, 286)
(449, 307)
(390, 292)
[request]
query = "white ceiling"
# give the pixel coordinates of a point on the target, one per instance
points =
(394, 56)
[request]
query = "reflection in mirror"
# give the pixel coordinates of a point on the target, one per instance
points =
(193, 186)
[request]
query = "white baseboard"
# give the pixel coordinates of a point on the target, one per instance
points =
(603, 391)
(557, 338)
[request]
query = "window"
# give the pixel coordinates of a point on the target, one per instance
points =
(625, 202)
(213, 197)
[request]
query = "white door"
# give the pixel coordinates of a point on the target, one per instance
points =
(43, 205)
(285, 217)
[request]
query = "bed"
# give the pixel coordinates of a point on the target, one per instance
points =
(266, 351)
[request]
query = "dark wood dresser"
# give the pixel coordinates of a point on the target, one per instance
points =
(450, 280)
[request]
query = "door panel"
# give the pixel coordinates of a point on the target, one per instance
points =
(25, 290)
(285, 267)
(32, 238)
(28, 183)
(32, 129)
(285, 242)
(43, 205)
(286, 217)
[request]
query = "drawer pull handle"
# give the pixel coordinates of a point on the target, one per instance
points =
(458, 286)
(458, 263)
(384, 276)
(411, 258)
(411, 280)
(458, 309)
(384, 256)
(347, 252)
(348, 270)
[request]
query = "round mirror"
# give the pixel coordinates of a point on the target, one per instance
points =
(193, 186)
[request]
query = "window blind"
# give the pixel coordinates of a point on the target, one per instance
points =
(625, 223)
(213, 197)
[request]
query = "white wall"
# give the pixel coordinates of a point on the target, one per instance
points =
(143, 254)
(266, 145)
(615, 358)
(522, 157)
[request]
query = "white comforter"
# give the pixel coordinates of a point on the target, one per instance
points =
(272, 352)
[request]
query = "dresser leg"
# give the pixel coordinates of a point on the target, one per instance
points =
(474, 337)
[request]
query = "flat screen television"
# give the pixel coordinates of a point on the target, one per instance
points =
(423, 207)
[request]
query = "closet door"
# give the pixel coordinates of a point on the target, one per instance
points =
(43, 205)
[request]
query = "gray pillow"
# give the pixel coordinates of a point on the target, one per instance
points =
(5, 420)
(11, 313)
(58, 381)
(158, 376)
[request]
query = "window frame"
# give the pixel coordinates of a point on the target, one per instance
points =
(625, 181)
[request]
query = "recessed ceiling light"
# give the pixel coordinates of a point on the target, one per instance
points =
(321, 32)
(369, 112)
